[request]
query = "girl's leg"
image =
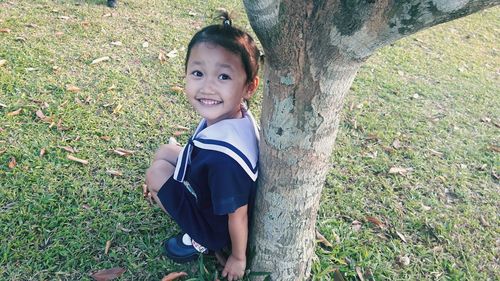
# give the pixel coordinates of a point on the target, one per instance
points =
(162, 168)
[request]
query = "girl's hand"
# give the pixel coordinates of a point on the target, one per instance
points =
(234, 269)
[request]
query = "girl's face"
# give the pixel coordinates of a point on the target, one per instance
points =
(216, 82)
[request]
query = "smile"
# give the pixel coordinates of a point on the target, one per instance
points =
(209, 102)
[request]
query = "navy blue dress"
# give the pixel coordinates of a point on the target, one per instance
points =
(218, 186)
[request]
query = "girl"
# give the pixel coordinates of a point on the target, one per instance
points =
(208, 186)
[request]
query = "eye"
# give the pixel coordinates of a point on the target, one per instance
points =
(224, 77)
(197, 73)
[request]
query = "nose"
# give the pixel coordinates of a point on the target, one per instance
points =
(208, 86)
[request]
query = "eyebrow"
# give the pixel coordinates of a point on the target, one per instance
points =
(221, 65)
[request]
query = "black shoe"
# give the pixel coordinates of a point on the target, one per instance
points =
(180, 251)
(112, 3)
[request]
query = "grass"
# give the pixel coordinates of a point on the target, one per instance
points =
(435, 92)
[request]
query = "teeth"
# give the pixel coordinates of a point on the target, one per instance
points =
(209, 102)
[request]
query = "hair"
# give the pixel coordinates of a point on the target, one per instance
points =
(232, 39)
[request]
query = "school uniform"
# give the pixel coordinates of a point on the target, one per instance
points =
(216, 174)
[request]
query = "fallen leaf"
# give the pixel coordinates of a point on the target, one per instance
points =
(359, 273)
(85, 24)
(356, 225)
(191, 13)
(29, 69)
(68, 149)
(106, 248)
(3, 62)
(400, 171)
(63, 17)
(4, 30)
(72, 88)
(42, 152)
(174, 276)
(108, 274)
(42, 116)
(145, 190)
(145, 44)
(117, 109)
(123, 152)
(15, 112)
(322, 239)
(494, 148)
(102, 59)
(161, 57)
(106, 138)
(396, 144)
(434, 152)
(20, 39)
(401, 236)
(114, 173)
(116, 43)
(426, 208)
(32, 25)
(59, 33)
(177, 89)
(403, 260)
(112, 87)
(172, 54)
(12, 163)
(375, 221)
(73, 158)
(483, 221)
(181, 127)
(178, 133)
(107, 15)
(2, 151)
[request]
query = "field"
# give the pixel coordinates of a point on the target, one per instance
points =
(412, 194)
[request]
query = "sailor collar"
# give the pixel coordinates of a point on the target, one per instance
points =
(231, 137)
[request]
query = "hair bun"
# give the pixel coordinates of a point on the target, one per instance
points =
(223, 14)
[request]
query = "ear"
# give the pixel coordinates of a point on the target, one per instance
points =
(252, 87)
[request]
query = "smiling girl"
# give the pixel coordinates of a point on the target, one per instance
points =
(208, 186)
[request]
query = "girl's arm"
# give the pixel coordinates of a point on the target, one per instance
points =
(238, 230)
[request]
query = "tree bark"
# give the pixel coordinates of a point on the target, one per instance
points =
(313, 51)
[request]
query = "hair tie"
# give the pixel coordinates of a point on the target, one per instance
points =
(226, 22)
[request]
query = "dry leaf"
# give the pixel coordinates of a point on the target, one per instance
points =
(145, 44)
(12, 163)
(63, 17)
(14, 113)
(3, 62)
(59, 33)
(356, 225)
(426, 208)
(117, 109)
(102, 59)
(485, 119)
(396, 144)
(114, 173)
(4, 30)
(73, 158)
(403, 260)
(434, 152)
(20, 39)
(68, 149)
(72, 88)
(401, 236)
(181, 127)
(483, 221)
(400, 171)
(107, 15)
(85, 24)
(178, 133)
(108, 274)
(116, 43)
(123, 152)
(177, 89)
(172, 54)
(106, 138)
(375, 221)
(2, 151)
(108, 245)
(359, 273)
(494, 148)
(322, 239)
(42, 152)
(174, 276)
(161, 57)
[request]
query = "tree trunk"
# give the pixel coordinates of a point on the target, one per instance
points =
(313, 51)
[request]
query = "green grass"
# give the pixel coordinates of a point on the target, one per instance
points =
(430, 91)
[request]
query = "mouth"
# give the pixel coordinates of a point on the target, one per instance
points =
(209, 101)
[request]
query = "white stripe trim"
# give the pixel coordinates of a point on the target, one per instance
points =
(231, 154)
